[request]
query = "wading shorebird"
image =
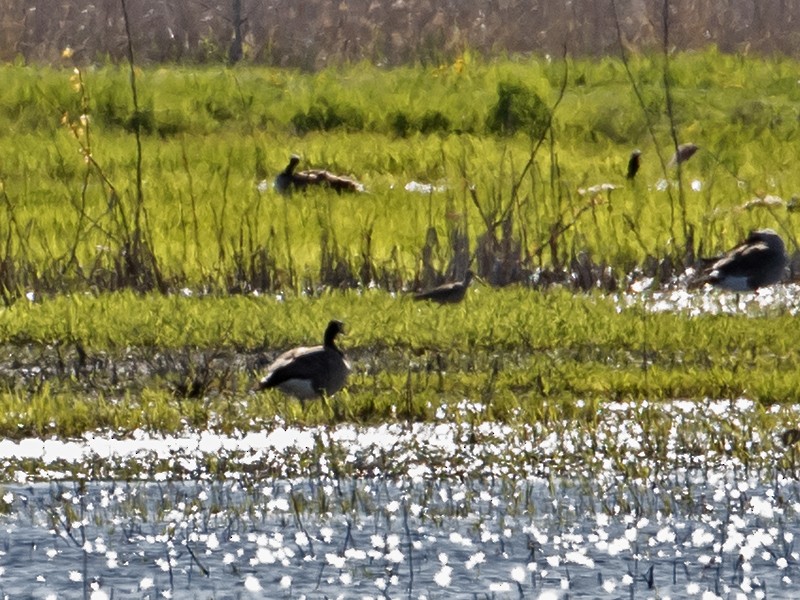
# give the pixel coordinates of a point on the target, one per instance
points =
(289, 180)
(757, 262)
(448, 293)
(683, 153)
(310, 372)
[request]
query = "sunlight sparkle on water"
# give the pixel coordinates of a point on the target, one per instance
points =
(444, 576)
(720, 508)
(571, 558)
(251, 584)
(707, 300)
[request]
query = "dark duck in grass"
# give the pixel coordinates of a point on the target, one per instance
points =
(757, 262)
(290, 179)
(790, 437)
(310, 372)
(448, 293)
(634, 162)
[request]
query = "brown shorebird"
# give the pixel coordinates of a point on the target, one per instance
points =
(448, 293)
(289, 180)
(683, 153)
(308, 373)
(757, 262)
(634, 163)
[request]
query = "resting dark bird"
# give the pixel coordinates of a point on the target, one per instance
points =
(790, 437)
(634, 163)
(448, 293)
(757, 262)
(683, 153)
(289, 180)
(308, 373)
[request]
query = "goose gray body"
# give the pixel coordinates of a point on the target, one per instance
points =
(310, 372)
(448, 293)
(683, 153)
(289, 179)
(757, 262)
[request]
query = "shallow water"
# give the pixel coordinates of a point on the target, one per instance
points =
(709, 301)
(437, 510)
(717, 536)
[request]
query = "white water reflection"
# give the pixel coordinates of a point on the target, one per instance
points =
(697, 503)
(424, 188)
(718, 537)
(679, 434)
(777, 299)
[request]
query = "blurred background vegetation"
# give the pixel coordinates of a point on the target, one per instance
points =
(317, 33)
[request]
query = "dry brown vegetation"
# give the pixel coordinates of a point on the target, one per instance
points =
(316, 33)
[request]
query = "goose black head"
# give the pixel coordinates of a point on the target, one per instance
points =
(634, 163)
(333, 329)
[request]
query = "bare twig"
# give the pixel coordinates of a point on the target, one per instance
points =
(637, 91)
(135, 97)
(200, 565)
(672, 126)
(559, 228)
(139, 250)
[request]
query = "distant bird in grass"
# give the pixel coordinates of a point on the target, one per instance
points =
(683, 153)
(757, 262)
(448, 293)
(634, 163)
(790, 437)
(308, 373)
(289, 179)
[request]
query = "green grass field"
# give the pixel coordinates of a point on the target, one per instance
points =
(125, 361)
(208, 136)
(141, 277)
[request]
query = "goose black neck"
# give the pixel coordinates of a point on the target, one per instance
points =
(333, 329)
(293, 162)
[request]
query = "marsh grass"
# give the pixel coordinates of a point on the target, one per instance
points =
(166, 363)
(514, 142)
(513, 146)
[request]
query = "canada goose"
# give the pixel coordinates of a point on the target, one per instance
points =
(448, 293)
(757, 262)
(634, 163)
(310, 372)
(683, 153)
(288, 180)
(284, 179)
